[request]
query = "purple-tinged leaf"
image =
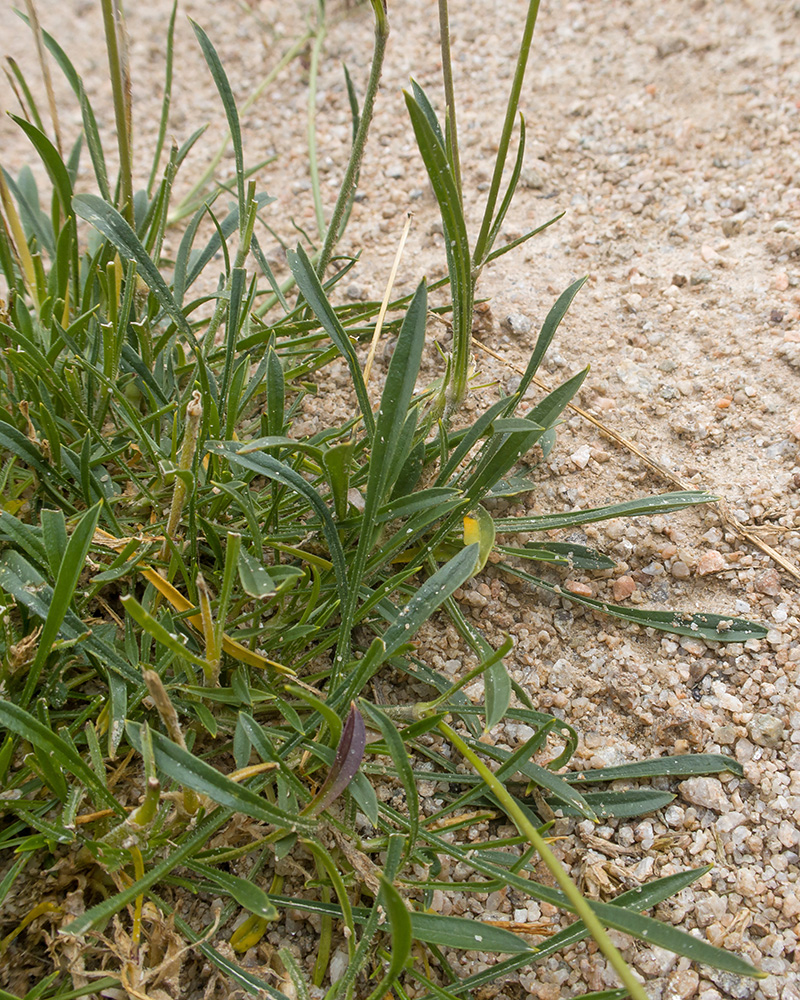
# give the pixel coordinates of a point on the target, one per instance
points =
(349, 755)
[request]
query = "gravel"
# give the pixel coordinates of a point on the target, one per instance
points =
(670, 136)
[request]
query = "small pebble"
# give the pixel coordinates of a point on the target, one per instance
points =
(737, 987)
(581, 456)
(705, 792)
(623, 587)
(517, 323)
(680, 570)
(729, 821)
(711, 562)
(768, 582)
(681, 985)
(765, 730)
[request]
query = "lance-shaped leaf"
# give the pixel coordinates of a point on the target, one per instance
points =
(718, 628)
(107, 220)
(349, 754)
(662, 504)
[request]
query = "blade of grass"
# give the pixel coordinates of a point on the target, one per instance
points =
(69, 572)
(18, 721)
(702, 625)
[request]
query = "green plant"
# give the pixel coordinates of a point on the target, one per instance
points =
(198, 602)
(440, 153)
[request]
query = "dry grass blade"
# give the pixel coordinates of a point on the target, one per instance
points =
(386, 296)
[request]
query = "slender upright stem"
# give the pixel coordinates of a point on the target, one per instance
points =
(481, 246)
(33, 17)
(313, 160)
(119, 87)
(564, 882)
(449, 93)
(360, 141)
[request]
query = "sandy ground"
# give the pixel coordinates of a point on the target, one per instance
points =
(670, 136)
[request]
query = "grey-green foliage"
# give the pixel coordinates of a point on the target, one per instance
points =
(298, 569)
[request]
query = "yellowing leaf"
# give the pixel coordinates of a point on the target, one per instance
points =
(479, 528)
(233, 648)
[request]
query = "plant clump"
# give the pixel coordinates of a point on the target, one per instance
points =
(198, 598)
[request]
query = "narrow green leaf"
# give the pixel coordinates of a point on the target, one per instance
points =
(29, 728)
(717, 628)
(680, 766)
(666, 936)
(562, 553)
(398, 391)
(152, 626)
(191, 772)
(54, 536)
(28, 538)
(337, 461)
(255, 580)
(276, 394)
(545, 338)
(662, 504)
(421, 500)
(247, 894)
(507, 198)
(165, 100)
(641, 898)
(110, 223)
(268, 466)
(195, 264)
(472, 935)
(505, 248)
(402, 934)
(395, 400)
(427, 599)
(468, 439)
(52, 162)
(459, 265)
(541, 776)
(314, 294)
(619, 805)
(229, 104)
(332, 720)
(399, 755)
(499, 454)
(69, 572)
(497, 685)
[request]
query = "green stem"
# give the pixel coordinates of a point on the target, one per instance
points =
(33, 18)
(120, 86)
(194, 414)
(565, 883)
(246, 226)
(481, 247)
(449, 93)
(165, 103)
(456, 387)
(359, 143)
(311, 128)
